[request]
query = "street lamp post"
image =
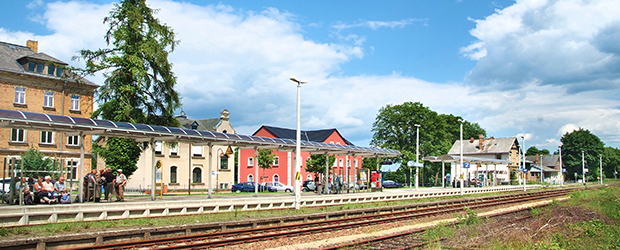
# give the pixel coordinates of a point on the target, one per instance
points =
(561, 167)
(298, 145)
(461, 141)
(417, 154)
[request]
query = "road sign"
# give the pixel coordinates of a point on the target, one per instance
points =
(229, 151)
(418, 165)
(215, 172)
(465, 164)
(411, 163)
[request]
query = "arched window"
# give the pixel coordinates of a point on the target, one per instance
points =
(173, 174)
(197, 175)
(276, 178)
(250, 177)
(224, 161)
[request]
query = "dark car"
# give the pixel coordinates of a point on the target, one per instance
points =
(392, 184)
(246, 187)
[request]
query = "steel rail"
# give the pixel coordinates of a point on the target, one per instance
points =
(250, 235)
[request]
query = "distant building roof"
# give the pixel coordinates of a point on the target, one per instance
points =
(488, 146)
(548, 160)
(210, 124)
(12, 54)
(307, 135)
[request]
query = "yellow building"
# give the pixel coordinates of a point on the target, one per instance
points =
(32, 81)
(186, 166)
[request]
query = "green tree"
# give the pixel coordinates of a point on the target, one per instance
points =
(573, 144)
(116, 158)
(36, 164)
(316, 163)
(265, 160)
(533, 150)
(139, 84)
(611, 161)
(394, 128)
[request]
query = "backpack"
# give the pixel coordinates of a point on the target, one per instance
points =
(65, 199)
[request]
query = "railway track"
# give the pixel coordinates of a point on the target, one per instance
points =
(244, 236)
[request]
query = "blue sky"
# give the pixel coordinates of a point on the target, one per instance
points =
(533, 67)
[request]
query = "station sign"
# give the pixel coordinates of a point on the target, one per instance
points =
(465, 164)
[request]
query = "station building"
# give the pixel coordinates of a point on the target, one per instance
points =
(283, 167)
(506, 149)
(33, 81)
(186, 166)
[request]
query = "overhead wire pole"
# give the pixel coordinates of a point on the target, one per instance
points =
(601, 168)
(298, 145)
(561, 166)
(583, 166)
(523, 170)
(461, 141)
(417, 155)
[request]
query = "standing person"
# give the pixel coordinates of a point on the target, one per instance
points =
(109, 184)
(89, 185)
(119, 185)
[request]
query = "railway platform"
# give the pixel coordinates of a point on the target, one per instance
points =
(180, 204)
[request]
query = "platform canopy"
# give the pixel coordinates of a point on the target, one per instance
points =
(457, 158)
(143, 132)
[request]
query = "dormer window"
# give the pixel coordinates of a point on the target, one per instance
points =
(59, 71)
(40, 67)
(32, 66)
(194, 125)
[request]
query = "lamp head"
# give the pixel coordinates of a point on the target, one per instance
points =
(297, 81)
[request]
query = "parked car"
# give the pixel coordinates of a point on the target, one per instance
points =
(392, 184)
(277, 187)
(246, 187)
(309, 186)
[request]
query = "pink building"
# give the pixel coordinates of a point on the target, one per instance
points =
(282, 169)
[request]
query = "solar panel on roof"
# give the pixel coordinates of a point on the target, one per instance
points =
(124, 125)
(37, 117)
(83, 121)
(104, 123)
(176, 131)
(11, 114)
(160, 129)
(220, 135)
(144, 127)
(61, 119)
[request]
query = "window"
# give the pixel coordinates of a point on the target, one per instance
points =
(194, 125)
(48, 100)
(250, 161)
(40, 67)
(276, 161)
(31, 66)
(73, 140)
(197, 151)
(158, 147)
(340, 161)
(17, 135)
(173, 174)
(20, 95)
(72, 166)
(223, 185)
(47, 137)
(224, 161)
(174, 149)
(197, 175)
(348, 163)
(50, 70)
(250, 177)
(75, 102)
(58, 71)
(276, 178)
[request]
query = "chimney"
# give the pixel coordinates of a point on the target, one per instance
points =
(537, 158)
(33, 45)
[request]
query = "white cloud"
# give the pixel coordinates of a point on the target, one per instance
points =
(242, 60)
(375, 25)
(563, 42)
